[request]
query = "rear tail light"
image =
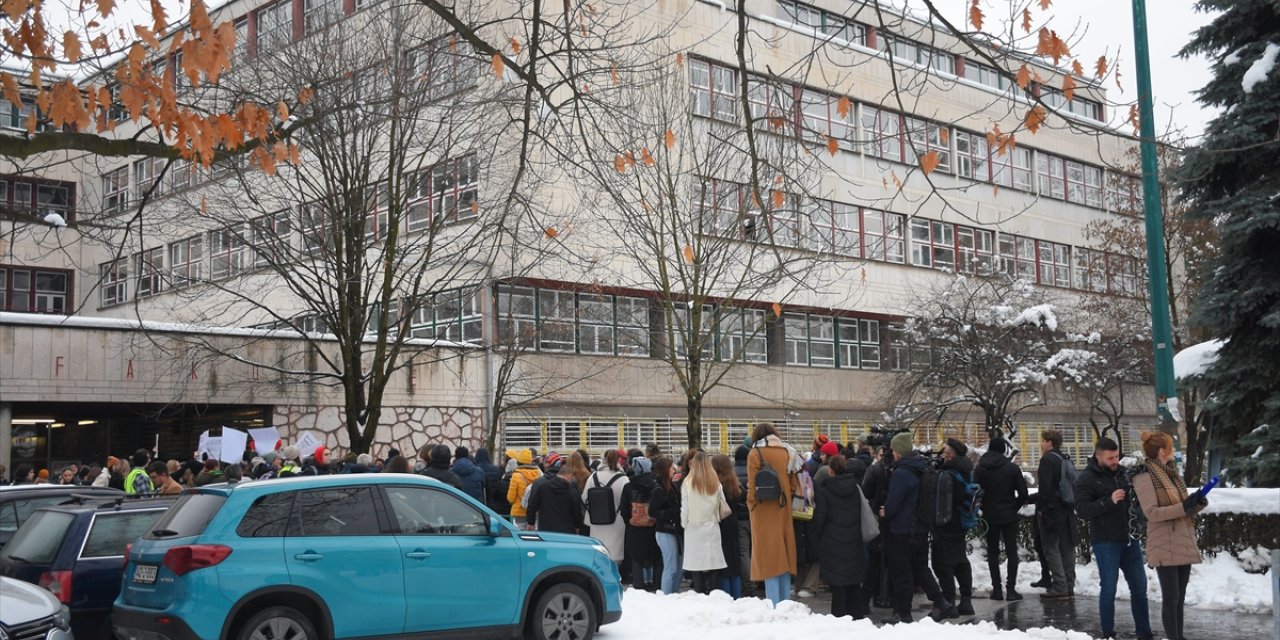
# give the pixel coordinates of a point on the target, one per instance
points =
(58, 583)
(187, 558)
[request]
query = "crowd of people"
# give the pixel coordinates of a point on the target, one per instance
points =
(845, 517)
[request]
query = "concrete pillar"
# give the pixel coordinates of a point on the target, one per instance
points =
(6, 436)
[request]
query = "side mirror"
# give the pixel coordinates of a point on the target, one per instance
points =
(495, 529)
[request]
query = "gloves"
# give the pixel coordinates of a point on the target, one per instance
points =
(1192, 502)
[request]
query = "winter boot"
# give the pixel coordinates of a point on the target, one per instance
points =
(943, 610)
(997, 593)
(898, 618)
(965, 608)
(1013, 595)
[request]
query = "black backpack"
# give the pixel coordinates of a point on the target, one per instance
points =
(934, 507)
(601, 508)
(768, 484)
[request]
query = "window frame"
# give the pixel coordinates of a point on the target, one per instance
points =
(149, 272)
(113, 282)
(33, 293)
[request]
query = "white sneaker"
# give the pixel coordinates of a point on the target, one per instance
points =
(804, 593)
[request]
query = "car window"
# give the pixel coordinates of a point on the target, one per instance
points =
(112, 531)
(16, 512)
(187, 517)
(429, 511)
(267, 517)
(346, 511)
(38, 540)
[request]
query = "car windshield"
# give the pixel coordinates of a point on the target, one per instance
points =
(38, 539)
(187, 517)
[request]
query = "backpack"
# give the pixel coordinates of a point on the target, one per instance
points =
(934, 504)
(970, 500)
(528, 490)
(601, 508)
(768, 484)
(640, 511)
(1067, 480)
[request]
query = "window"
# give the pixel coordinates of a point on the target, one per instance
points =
(905, 355)
(1124, 194)
(859, 343)
(882, 134)
(1090, 270)
(271, 238)
(317, 14)
(1078, 105)
(742, 335)
(517, 315)
(883, 236)
(346, 511)
(976, 251)
(31, 197)
(1055, 264)
(703, 334)
(144, 176)
(313, 226)
(926, 137)
(228, 255)
(556, 320)
(1018, 257)
(149, 265)
(773, 105)
(24, 289)
(984, 75)
(40, 540)
(915, 53)
(1123, 271)
(595, 324)
(267, 517)
(633, 326)
(933, 244)
(810, 340)
(821, 119)
(1012, 168)
(447, 192)
(444, 66)
(275, 26)
(1069, 180)
(427, 511)
(15, 117)
(795, 338)
(114, 282)
(712, 89)
(241, 51)
(111, 532)
(377, 217)
(188, 516)
(454, 315)
(115, 190)
(186, 262)
(835, 227)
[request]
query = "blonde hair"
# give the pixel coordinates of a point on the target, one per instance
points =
(1153, 442)
(702, 476)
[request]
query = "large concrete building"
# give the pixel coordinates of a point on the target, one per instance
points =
(161, 311)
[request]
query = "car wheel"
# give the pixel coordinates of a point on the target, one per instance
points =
(278, 623)
(564, 612)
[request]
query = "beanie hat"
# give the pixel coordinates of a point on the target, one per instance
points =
(901, 444)
(823, 439)
(740, 454)
(269, 457)
(553, 459)
(958, 447)
(524, 456)
(291, 453)
(1000, 446)
(830, 449)
(321, 455)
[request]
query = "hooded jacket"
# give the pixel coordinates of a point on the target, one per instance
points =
(555, 506)
(524, 476)
(837, 526)
(904, 492)
(964, 467)
(1108, 520)
(492, 476)
(438, 468)
(1049, 502)
(471, 477)
(1004, 489)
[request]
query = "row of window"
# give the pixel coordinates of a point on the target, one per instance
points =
(27, 290)
(888, 135)
(833, 25)
(24, 196)
(729, 210)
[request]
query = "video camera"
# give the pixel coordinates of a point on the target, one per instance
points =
(880, 436)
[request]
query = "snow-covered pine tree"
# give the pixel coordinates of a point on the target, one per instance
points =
(1233, 179)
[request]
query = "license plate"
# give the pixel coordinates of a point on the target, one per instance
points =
(145, 574)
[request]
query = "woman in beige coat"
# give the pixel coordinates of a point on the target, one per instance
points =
(773, 538)
(1171, 528)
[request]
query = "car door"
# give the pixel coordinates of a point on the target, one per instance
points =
(97, 571)
(450, 561)
(336, 547)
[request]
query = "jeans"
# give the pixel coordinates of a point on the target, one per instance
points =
(1008, 534)
(1059, 550)
(909, 568)
(1173, 597)
(1113, 558)
(669, 544)
(731, 585)
(778, 588)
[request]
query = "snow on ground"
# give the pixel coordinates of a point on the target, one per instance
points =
(719, 617)
(1219, 583)
(1195, 360)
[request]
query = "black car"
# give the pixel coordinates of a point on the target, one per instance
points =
(17, 502)
(76, 551)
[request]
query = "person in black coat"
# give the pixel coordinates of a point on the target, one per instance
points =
(875, 489)
(1055, 516)
(1004, 492)
(469, 474)
(749, 588)
(837, 525)
(438, 467)
(664, 507)
(639, 540)
(555, 504)
(950, 560)
(492, 476)
(736, 494)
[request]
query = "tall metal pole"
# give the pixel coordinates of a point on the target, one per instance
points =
(1161, 329)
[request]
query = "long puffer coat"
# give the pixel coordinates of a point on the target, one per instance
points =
(837, 525)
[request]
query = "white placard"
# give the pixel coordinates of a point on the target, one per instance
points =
(233, 445)
(265, 439)
(307, 443)
(203, 447)
(213, 447)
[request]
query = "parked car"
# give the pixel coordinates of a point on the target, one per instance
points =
(344, 556)
(76, 551)
(31, 613)
(17, 502)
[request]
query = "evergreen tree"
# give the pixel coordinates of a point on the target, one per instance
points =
(1233, 179)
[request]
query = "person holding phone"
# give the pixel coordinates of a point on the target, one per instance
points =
(1171, 528)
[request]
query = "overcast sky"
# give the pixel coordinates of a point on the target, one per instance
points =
(1107, 25)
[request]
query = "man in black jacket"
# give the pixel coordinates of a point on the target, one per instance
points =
(1004, 492)
(1056, 518)
(875, 486)
(949, 552)
(554, 504)
(1104, 499)
(438, 467)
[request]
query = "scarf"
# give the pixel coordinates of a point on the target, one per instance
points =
(794, 461)
(1170, 489)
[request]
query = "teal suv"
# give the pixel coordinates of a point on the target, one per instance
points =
(351, 556)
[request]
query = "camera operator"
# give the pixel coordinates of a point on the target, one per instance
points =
(908, 541)
(1104, 497)
(875, 486)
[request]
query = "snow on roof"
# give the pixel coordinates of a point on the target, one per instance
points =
(1195, 360)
